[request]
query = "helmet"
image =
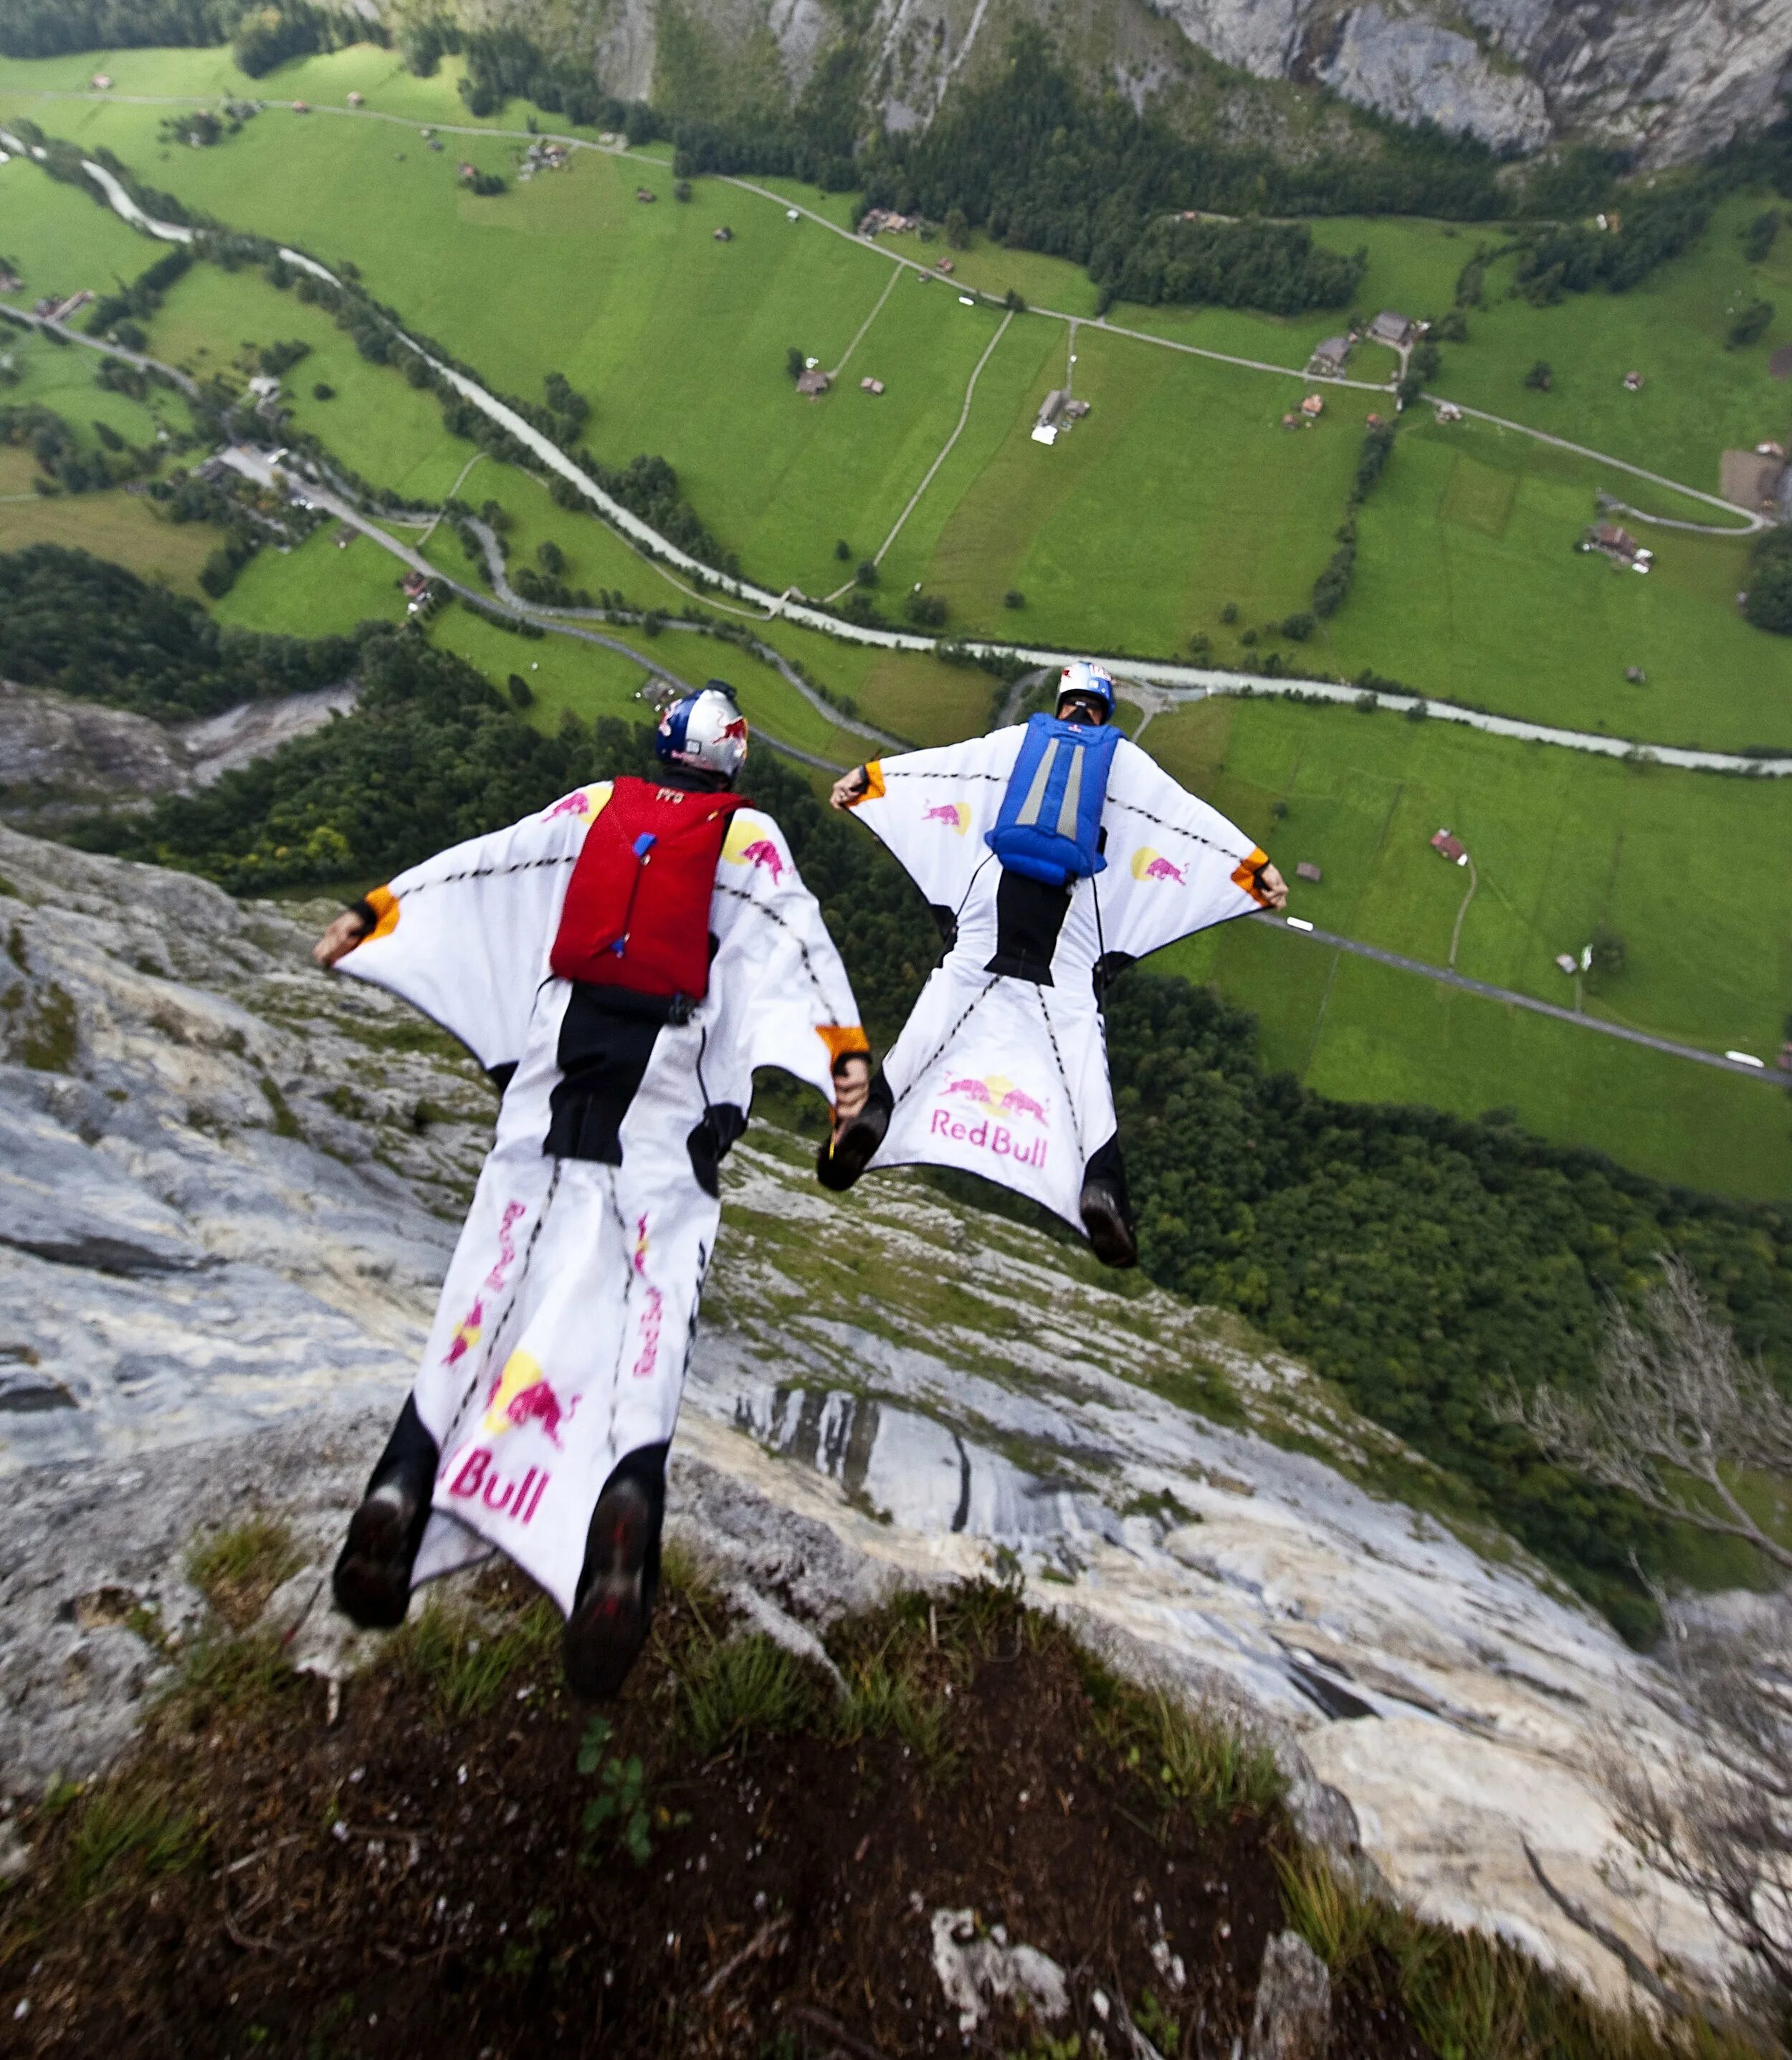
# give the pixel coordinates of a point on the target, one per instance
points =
(705, 731)
(1094, 681)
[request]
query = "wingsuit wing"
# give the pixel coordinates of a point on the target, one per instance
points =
(795, 1004)
(933, 808)
(1174, 864)
(464, 937)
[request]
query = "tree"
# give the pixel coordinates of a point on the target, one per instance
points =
(843, 551)
(1229, 613)
(1014, 598)
(323, 391)
(1751, 324)
(681, 189)
(867, 573)
(957, 228)
(1607, 948)
(927, 610)
(795, 363)
(550, 556)
(1768, 603)
(1540, 378)
(1299, 626)
(1759, 238)
(1676, 1413)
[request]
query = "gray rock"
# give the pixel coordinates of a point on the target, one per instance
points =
(1293, 2017)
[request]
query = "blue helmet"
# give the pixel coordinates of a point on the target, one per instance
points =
(1094, 681)
(705, 730)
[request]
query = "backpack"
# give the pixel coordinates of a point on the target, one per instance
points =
(1049, 825)
(637, 915)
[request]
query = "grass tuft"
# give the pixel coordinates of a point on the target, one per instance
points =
(466, 1659)
(733, 1689)
(120, 1828)
(238, 1569)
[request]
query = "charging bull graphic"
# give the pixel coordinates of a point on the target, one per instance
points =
(523, 1394)
(954, 813)
(998, 1096)
(1149, 864)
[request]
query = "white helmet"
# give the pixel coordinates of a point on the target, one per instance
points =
(1083, 678)
(705, 730)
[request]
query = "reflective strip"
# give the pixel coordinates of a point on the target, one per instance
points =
(1036, 794)
(1073, 796)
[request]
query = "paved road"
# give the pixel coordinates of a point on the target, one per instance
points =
(186, 385)
(1175, 681)
(1448, 976)
(1751, 520)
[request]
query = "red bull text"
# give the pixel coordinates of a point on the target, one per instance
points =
(476, 1479)
(995, 1138)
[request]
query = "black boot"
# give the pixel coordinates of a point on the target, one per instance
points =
(373, 1577)
(614, 1603)
(1107, 1210)
(841, 1159)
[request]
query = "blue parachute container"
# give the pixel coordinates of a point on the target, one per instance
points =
(1049, 824)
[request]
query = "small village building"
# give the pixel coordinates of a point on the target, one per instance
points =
(1307, 870)
(1567, 963)
(793, 215)
(357, 100)
(1633, 381)
(1074, 411)
(265, 386)
(1448, 411)
(1400, 331)
(345, 536)
(725, 234)
(1330, 357)
(301, 107)
(463, 170)
(1618, 544)
(868, 385)
(10, 282)
(1769, 449)
(1450, 848)
(1290, 420)
(1785, 1059)
(103, 82)
(1052, 406)
(1372, 422)
(644, 193)
(1312, 407)
(417, 591)
(1636, 675)
(877, 221)
(944, 264)
(813, 382)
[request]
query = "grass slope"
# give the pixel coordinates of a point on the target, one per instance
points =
(1563, 844)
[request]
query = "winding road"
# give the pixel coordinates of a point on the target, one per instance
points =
(1152, 684)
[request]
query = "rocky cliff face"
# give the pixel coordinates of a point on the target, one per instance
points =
(1669, 79)
(228, 1186)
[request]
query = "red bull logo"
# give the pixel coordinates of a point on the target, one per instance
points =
(953, 813)
(523, 1394)
(762, 851)
(998, 1096)
(1149, 864)
(995, 1138)
(577, 803)
(477, 1480)
(466, 1336)
(513, 1214)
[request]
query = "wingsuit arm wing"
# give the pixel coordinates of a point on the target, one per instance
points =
(933, 808)
(1174, 865)
(464, 937)
(798, 1010)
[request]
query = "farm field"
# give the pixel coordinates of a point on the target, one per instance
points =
(1181, 493)
(114, 524)
(1241, 511)
(315, 590)
(1564, 846)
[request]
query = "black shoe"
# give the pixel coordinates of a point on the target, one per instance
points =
(609, 1621)
(372, 1576)
(1105, 1218)
(841, 1159)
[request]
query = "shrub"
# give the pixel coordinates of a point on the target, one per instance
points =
(1540, 378)
(1014, 598)
(1751, 324)
(521, 692)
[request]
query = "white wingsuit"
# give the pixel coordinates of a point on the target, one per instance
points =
(565, 1322)
(1002, 1068)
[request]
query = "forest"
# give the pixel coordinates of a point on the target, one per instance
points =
(1418, 1259)
(75, 623)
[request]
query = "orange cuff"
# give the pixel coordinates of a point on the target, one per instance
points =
(1246, 876)
(843, 1040)
(384, 905)
(874, 784)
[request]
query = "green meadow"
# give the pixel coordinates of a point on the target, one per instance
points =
(1180, 493)
(1692, 872)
